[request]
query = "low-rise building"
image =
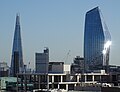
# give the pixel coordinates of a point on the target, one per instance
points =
(8, 83)
(62, 81)
(78, 65)
(56, 67)
(4, 69)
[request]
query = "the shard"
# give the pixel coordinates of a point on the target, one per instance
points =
(17, 65)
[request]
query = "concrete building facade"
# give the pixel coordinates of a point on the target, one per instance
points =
(42, 61)
(56, 67)
(78, 65)
(4, 69)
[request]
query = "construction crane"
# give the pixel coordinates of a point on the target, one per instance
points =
(66, 58)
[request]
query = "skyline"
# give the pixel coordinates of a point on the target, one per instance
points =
(52, 24)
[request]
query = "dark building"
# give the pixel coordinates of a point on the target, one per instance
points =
(17, 64)
(56, 67)
(42, 61)
(97, 41)
(78, 65)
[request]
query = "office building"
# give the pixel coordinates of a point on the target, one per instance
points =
(56, 67)
(17, 56)
(42, 61)
(78, 65)
(97, 41)
(4, 69)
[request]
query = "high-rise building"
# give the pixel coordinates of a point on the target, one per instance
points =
(97, 41)
(17, 65)
(42, 61)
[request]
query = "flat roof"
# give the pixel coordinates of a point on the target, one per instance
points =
(56, 62)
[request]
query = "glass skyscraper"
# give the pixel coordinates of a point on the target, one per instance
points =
(17, 65)
(97, 41)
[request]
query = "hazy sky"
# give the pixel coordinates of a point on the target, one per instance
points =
(57, 24)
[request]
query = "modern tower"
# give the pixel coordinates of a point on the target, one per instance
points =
(97, 41)
(42, 61)
(17, 65)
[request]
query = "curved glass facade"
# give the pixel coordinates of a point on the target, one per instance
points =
(96, 34)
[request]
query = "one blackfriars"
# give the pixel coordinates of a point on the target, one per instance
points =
(17, 65)
(97, 41)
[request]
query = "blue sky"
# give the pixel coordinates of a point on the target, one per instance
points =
(57, 24)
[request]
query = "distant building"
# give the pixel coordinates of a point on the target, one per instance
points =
(114, 69)
(42, 61)
(78, 65)
(17, 64)
(97, 41)
(63, 82)
(56, 67)
(27, 69)
(4, 69)
(8, 84)
(67, 68)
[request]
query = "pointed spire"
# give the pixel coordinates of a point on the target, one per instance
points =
(94, 9)
(17, 19)
(17, 49)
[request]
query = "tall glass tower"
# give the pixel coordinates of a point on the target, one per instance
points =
(17, 65)
(97, 41)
